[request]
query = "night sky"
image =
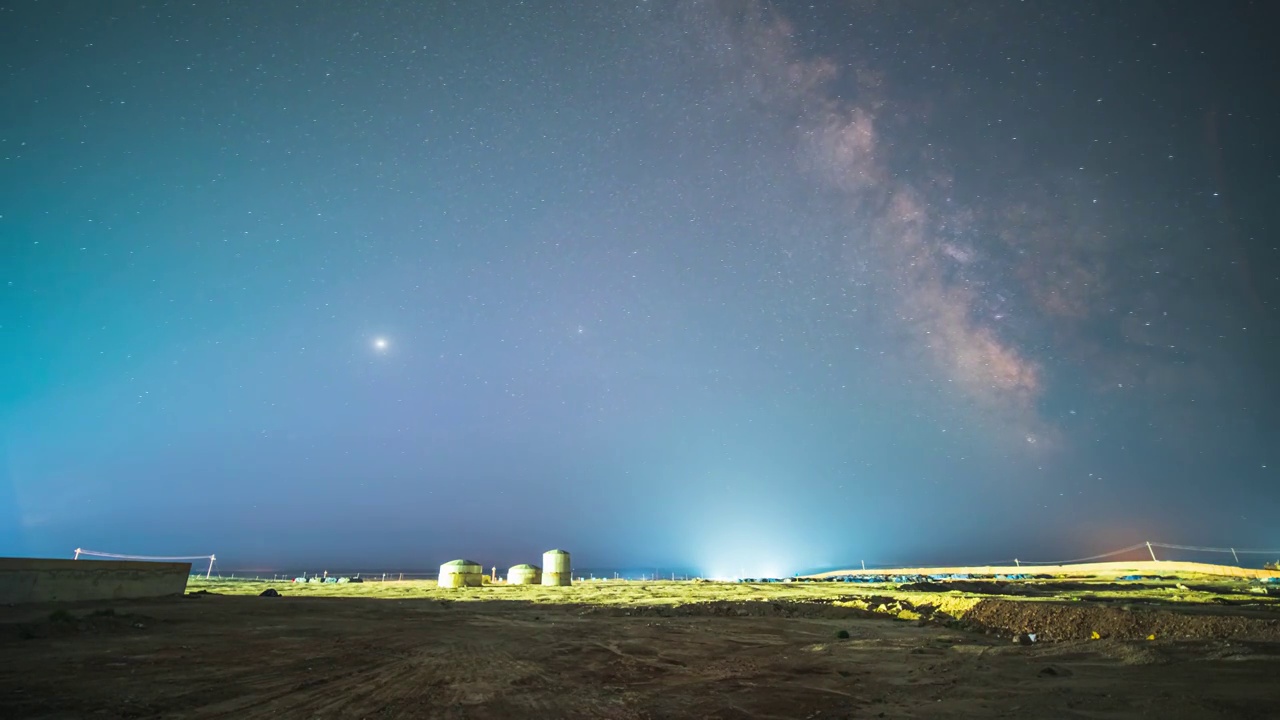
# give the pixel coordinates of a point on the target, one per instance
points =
(711, 285)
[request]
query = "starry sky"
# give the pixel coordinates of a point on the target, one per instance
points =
(768, 286)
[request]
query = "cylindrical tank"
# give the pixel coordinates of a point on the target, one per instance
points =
(555, 568)
(461, 573)
(525, 574)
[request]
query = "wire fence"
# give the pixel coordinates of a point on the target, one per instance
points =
(1138, 551)
(379, 575)
(149, 558)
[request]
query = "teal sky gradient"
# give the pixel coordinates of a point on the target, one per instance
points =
(681, 284)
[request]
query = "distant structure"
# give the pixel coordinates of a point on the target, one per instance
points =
(555, 568)
(525, 574)
(461, 573)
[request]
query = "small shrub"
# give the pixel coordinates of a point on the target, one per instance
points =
(1272, 565)
(61, 616)
(843, 635)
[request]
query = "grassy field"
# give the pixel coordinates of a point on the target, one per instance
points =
(904, 601)
(603, 592)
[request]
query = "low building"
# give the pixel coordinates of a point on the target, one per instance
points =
(461, 573)
(525, 574)
(555, 568)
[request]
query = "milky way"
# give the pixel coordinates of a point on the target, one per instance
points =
(686, 283)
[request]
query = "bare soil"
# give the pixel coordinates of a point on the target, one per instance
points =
(211, 656)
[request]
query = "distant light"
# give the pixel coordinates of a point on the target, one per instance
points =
(380, 343)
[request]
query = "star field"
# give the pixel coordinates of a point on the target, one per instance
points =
(673, 283)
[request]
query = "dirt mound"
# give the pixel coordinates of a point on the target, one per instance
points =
(723, 608)
(968, 586)
(1058, 621)
(1046, 620)
(1020, 589)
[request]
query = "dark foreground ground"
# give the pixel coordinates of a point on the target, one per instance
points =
(306, 657)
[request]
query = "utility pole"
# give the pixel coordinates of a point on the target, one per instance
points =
(1153, 552)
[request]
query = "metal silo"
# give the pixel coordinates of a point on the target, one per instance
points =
(525, 574)
(555, 568)
(461, 573)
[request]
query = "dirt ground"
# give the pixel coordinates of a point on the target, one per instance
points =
(212, 656)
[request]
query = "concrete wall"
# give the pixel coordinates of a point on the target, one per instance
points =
(33, 580)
